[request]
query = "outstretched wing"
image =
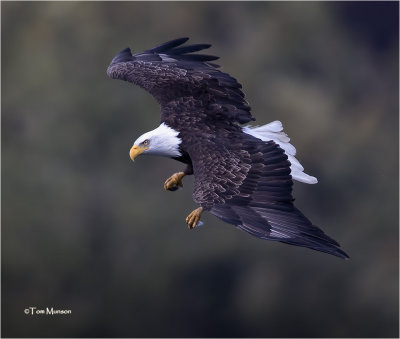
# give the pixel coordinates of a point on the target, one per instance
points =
(176, 77)
(251, 188)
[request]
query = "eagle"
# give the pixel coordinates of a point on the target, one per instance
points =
(243, 174)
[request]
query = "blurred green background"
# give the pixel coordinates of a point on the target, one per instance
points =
(85, 229)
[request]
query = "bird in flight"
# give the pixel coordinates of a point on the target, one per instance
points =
(242, 174)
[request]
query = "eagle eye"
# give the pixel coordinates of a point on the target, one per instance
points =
(146, 142)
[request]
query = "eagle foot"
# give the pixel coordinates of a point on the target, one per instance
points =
(194, 217)
(174, 181)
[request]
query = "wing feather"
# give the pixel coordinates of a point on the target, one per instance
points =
(189, 49)
(178, 78)
(263, 205)
(166, 46)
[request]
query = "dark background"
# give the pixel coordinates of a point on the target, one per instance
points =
(85, 229)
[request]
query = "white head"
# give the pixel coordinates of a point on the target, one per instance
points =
(162, 141)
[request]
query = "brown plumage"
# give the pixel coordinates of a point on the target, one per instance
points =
(240, 177)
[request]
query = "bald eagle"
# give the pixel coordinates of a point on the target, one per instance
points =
(242, 174)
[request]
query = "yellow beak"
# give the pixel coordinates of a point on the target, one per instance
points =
(135, 151)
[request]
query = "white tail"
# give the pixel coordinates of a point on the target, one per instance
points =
(274, 131)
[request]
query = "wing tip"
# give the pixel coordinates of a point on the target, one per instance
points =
(123, 56)
(337, 252)
(322, 247)
(166, 46)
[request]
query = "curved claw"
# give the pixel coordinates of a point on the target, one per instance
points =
(174, 182)
(194, 217)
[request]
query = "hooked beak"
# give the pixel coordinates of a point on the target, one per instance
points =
(135, 151)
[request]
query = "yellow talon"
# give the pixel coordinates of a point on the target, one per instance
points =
(194, 217)
(173, 182)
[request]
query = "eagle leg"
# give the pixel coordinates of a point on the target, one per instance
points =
(194, 217)
(174, 181)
